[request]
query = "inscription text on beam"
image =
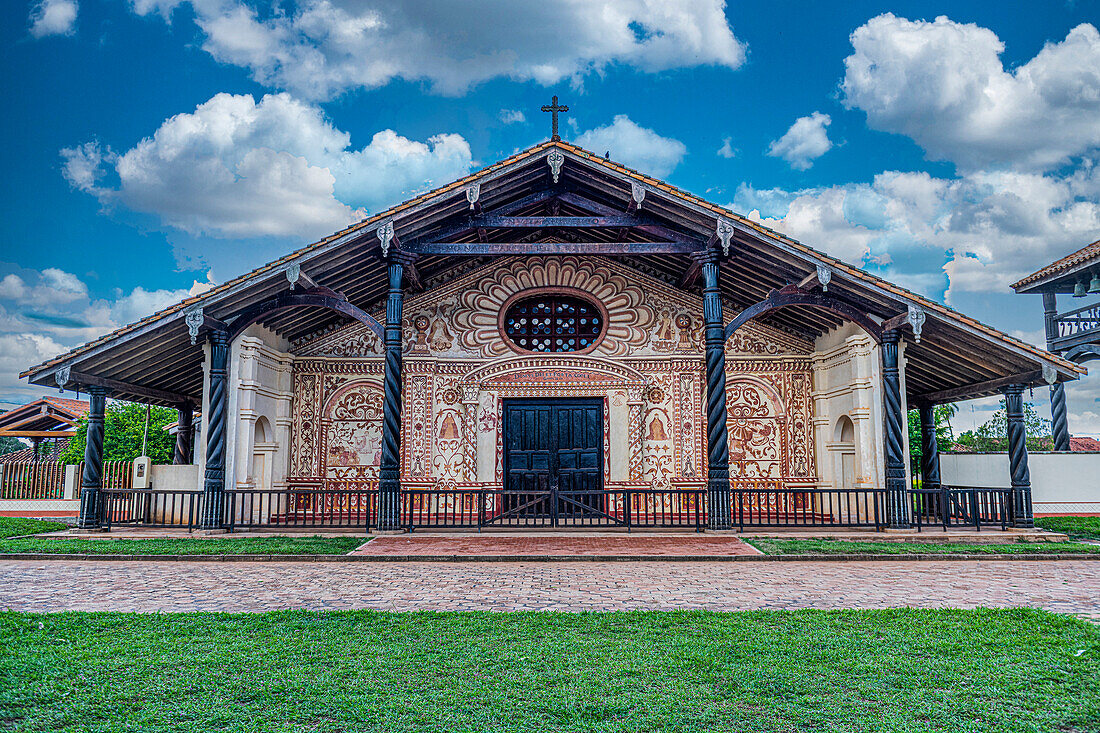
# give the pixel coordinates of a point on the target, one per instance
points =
(563, 248)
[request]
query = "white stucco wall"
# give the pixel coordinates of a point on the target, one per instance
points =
(1060, 482)
(260, 386)
(848, 381)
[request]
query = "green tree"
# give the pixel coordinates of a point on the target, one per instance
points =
(124, 425)
(945, 436)
(993, 434)
(9, 444)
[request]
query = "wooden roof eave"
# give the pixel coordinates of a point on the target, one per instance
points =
(271, 278)
(840, 269)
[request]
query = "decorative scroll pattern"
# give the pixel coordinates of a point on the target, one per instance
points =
(306, 425)
(448, 449)
(755, 427)
(688, 414)
(417, 424)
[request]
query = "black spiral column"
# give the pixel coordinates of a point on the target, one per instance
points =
(184, 429)
(91, 480)
(718, 457)
(389, 475)
(1017, 456)
(897, 495)
(214, 483)
(929, 447)
(1059, 423)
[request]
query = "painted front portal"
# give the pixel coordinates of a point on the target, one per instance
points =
(643, 358)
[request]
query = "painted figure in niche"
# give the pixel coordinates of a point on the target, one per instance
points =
(439, 336)
(657, 428)
(449, 429)
(664, 337)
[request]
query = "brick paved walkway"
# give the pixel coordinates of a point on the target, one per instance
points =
(1062, 586)
(560, 545)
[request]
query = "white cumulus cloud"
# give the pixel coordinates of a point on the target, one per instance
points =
(43, 313)
(53, 18)
(805, 141)
(635, 146)
(943, 84)
(238, 168)
(321, 48)
(974, 234)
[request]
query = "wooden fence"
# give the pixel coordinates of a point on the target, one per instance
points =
(32, 480)
(46, 479)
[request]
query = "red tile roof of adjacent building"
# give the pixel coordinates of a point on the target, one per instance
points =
(77, 408)
(1080, 257)
(1084, 445)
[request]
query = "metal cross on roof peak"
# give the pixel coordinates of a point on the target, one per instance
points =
(553, 109)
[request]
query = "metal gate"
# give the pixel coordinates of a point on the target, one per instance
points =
(553, 466)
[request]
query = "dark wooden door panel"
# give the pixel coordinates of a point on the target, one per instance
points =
(553, 460)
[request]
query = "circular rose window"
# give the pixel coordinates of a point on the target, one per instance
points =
(553, 322)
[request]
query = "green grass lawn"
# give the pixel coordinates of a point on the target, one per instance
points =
(1085, 527)
(15, 526)
(900, 670)
(841, 547)
(307, 545)
(303, 545)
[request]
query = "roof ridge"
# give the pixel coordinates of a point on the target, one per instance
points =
(825, 258)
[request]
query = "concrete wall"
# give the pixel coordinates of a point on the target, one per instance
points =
(1060, 482)
(170, 477)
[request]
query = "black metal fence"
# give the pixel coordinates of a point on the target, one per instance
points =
(315, 508)
(150, 508)
(475, 508)
(956, 506)
(809, 508)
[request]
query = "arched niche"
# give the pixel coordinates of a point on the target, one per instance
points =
(755, 422)
(351, 422)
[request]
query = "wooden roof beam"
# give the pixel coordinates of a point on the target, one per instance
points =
(980, 389)
(118, 387)
(38, 433)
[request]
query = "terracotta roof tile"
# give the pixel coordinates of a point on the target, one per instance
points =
(75, 407)
(1084, 445)
(1080, 257)
(854, 272)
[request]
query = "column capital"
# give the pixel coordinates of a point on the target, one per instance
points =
(707, 256)
(217, 337)
(1013, 389)
(401, 257)
(892, 336)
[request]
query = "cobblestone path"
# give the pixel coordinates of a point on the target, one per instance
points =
(1064, 586)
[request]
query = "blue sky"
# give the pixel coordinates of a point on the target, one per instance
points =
(158, 145)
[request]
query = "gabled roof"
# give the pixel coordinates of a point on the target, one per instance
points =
(1072, 264)
(48, 414)
(155, 352)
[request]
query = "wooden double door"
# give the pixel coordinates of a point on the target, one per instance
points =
(553, 463)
